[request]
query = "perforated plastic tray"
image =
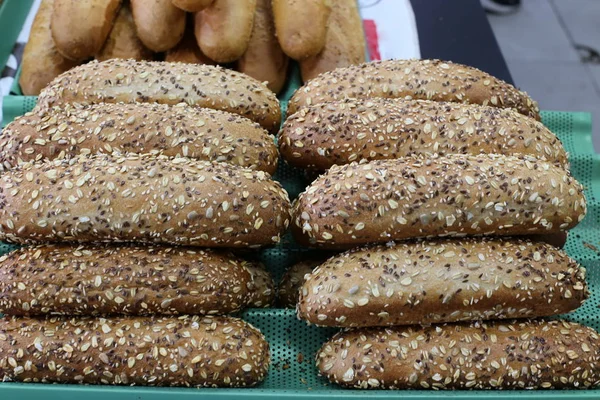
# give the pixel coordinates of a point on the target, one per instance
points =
(12, 16)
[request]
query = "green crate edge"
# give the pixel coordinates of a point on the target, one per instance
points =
(12, 16)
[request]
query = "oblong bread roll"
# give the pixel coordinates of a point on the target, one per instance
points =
(192, 5)
(123, 42)
(159, 24)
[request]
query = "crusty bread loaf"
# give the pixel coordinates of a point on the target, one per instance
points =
(141, 198)
(301, 26)
(261, 288)
(263, 59)
(132, 81)
(414, 79)
(123, 42)
(455, 195)
(159, 24)
(291, 282)
(340, 132)
(41, 60)
(147, 351)
(520, 354)
(344, 42)
(187, 50)
(198, 133)
(223, 29)
(192, 5)
(133, 280)
(80, 28)
(444, 281)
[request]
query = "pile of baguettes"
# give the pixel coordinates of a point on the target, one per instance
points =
(109, 156)
(455, 163)
(256, 36)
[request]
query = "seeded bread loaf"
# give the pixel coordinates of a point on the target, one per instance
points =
(291, 282)
(123, 42)
(444, 281)
(130, 81)
(261, 288)
(455, 195)
(133, 280)
(142, 198)
(143, 351)
(159, 24)
(521, 354)
(199, 133)
(414, 79)
(192, 5)
(340, 132)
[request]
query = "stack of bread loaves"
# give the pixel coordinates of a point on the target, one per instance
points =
(453, 163)
(103, 179)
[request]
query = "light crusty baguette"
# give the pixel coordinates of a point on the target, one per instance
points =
(192, 5)
(261, 288)
(520, 354)
(41, 60)
(414, 79)
(159, 24)
(187, 50)
(455, 195)
(199, 133)
(291, 282)
(301, 26)
(340, 132)
(142, 199)
(344, 42)
(80, 28)
(142, 351)
(133, 280)
(263, 59)
(132, 81)
(123, 42)
(223, 29)
(444, 281)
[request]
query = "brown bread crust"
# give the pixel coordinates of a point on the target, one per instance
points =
(144, 199)
(132, 280)
(520, 354)
(198, 133)
(291, 282)
(455, 195)
(130, 81)
(159, 24)
(261, 287)
(340, 132)
(192, 5)
(187, 50)
(123, 42)
(148, 351)
(414, 79)
(445, 281)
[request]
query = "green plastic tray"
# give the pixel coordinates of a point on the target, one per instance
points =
(12, 16)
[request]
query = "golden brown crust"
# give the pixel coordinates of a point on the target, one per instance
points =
(133, 280)
(41, 60)
(142, 198)
(159, 24)
(187, 50)
(147, 351)
(520, 354)
(123, 42)
(291, 282)
(192, 5)
(340, 132)
(261, 288)
(344, 42)
(414, 79)
(224, 28)
(445, 281)
(80, 28)
(199, 133)
(455, 195)
(130, 81)
(263, 59)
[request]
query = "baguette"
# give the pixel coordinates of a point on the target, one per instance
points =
(340, 132)
(133, 280)
(123, 42)
(130, 81)
(455, 195)
(142, 351)
(291, 282)
(301, 26)
(414, 79)
(344, 42)
(159, 24)
(444, 281)
(261, 288)
(80, 28)
(141, 198)
(187, 50)
(41, 60)
(67, 131)
(263, 59)
(223, 29)
(192, 5)
(522, 354)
